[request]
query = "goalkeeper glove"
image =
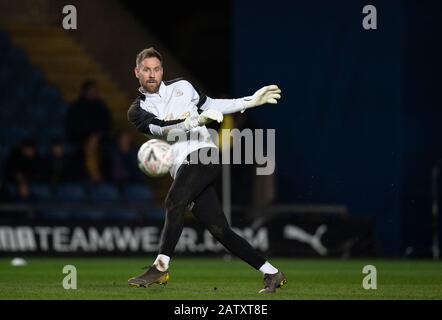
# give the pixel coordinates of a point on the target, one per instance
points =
(268, 94)
(204, 118)
(209, 116)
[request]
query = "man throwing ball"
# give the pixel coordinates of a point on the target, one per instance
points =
(163, 106)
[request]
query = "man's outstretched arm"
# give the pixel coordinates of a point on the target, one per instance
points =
(268, 94)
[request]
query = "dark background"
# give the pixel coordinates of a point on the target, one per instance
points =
(359, 123)
(360, 119)
(199, 32)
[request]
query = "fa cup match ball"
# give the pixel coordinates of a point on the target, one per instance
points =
(155, 158)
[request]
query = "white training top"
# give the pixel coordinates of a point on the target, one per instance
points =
(162, 115)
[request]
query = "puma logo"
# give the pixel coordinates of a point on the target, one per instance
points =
(314, 240)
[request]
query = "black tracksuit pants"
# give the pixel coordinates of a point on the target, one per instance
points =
(194, 183)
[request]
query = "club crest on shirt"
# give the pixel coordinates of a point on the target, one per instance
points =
(178, 93)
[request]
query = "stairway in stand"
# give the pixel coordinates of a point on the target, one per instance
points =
(67, 65)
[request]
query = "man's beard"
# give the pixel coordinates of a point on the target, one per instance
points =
(149, 89)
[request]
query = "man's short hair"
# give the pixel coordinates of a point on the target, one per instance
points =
(148, 53)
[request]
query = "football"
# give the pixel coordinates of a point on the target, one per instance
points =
(155, 158)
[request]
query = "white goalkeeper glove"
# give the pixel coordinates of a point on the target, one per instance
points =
(204, 118)
(268, 94)
(209, 116)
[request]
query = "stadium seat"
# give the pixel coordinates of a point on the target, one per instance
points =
(71, 214)
(5, 40)
(11, 191)
(87, 214)
(137, 192)
(49, 94)
(104, 192)
(29, 106)
(71, 192)
(4, 151)
(41, 192)
(12, 135)
(153, 213)
(120, 214)
(13, 195)
(18, 57)
(6, 75)
(54, 214)
(35, 75)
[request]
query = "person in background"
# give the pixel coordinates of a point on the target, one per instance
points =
(24, 167)
(62, 166)
(88, 115)
(124, 159)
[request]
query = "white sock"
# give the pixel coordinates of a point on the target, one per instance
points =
(162, 262)
(268, 268)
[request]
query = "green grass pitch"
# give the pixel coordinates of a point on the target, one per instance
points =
(218, 278)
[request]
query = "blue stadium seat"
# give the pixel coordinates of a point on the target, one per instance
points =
(104, 192)
(120, 214)
(49, 94)
(29, 106)
(137, 192)
(57, 114)
(5, 40)
(4, 151)
(13, 195)
(35, 75)
(12, 192)
(7, 75)
(41, 192)
(12, 135)
(5, 46)
(54, 214)
(153, 213)
(18, 57)
(71, 192)
(87, 214)
(156, 213)
(48, 133)
(71, 214)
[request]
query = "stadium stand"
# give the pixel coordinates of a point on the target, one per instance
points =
(30, 106)
(29, 103)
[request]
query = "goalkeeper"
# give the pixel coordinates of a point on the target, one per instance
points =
(163, 106)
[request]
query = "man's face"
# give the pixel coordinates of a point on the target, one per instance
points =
(150, 74)
(92, 93)
(58, 150)
(29, 151)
